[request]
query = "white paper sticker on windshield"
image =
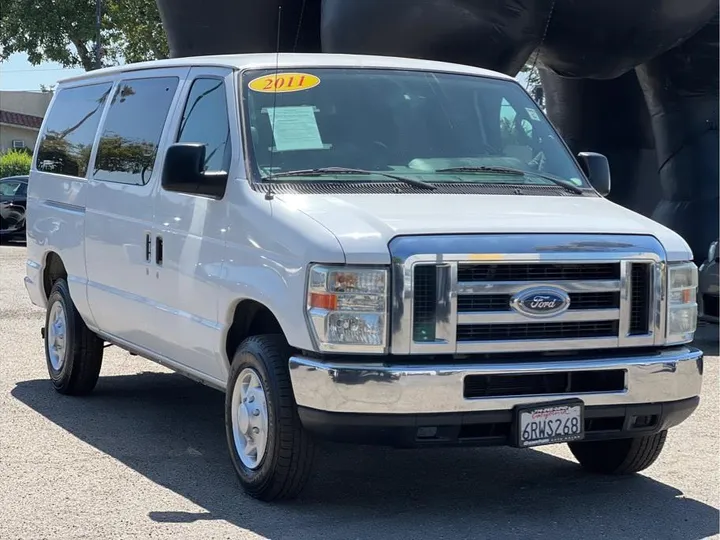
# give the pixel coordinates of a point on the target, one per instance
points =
(532, 114)
(295, 128)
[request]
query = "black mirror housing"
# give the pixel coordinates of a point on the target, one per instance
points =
(183, 172)
(597, 169)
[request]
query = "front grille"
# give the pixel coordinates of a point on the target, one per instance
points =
(533, 331)
(483, 386)
(610, 305)
(537, 272)
(501, 302)
(639, 298)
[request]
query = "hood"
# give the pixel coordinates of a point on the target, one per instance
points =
(365, 224)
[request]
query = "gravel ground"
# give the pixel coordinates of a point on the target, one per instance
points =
(145, 457)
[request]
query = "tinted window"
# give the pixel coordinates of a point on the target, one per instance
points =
(10, 188)
(205, 120)
(411, 123)
(132, 130)
(70, 130)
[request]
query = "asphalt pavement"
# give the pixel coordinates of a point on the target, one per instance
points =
(145, 457)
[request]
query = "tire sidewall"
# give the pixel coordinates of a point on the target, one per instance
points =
(249, 355)
(60, 294)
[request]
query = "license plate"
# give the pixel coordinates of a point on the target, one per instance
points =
(549, 423)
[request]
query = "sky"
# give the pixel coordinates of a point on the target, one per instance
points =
(16, 73)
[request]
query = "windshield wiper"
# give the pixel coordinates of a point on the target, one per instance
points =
(328, 171)
(519, 172)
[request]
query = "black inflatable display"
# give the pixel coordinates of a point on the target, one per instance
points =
(634, 79)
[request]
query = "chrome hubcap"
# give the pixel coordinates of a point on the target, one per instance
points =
(56, 333)
(249, 418)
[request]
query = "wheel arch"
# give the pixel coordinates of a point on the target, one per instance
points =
(250, 318)
(53, 269)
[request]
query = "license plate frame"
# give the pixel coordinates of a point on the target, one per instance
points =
(546, 407)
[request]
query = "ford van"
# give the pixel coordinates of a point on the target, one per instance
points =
(362, 249)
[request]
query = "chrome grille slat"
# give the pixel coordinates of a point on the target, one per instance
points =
(499, 317)
(481, 303)
(512, 287)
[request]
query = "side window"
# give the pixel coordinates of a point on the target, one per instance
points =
(9, 188)
(70, 130)
(205, 120)
(132, 130)
(516, 133)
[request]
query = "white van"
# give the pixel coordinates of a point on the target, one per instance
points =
(357, 248)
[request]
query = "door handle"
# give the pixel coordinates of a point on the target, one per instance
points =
(158, 250)
(148, 247)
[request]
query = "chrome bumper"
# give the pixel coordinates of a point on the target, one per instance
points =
(671, 375)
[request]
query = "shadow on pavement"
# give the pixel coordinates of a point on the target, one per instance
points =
(170, 430)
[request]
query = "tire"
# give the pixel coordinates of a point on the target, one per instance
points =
(284, 467)
(620, 456)
(75, 367)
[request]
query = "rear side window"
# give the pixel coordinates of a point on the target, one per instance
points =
(132, 130)
(70, 130)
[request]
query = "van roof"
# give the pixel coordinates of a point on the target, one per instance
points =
(292, 61)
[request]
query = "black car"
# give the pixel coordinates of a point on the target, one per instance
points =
(13, 202)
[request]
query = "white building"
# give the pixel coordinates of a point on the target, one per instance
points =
(21, 114)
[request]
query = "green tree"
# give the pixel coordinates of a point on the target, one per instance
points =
(137, 30)
(64, 31)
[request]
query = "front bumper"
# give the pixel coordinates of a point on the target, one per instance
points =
(334, 396)
(665, 375)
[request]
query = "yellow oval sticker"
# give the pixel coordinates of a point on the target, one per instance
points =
(284, 82)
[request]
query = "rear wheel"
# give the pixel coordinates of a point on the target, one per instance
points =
(620, 456)
(271, 452)
(72, 351)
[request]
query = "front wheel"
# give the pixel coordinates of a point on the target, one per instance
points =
(620, 456)
(271, 452)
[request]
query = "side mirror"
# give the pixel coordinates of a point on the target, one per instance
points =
(597, 169)
(183, 172)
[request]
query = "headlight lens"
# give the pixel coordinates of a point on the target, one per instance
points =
(682, 305)
(347, 308)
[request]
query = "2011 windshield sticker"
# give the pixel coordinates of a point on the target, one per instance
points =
(284, 82)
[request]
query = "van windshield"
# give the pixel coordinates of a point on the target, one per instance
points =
(333, 124)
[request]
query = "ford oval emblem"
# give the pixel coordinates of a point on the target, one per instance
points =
(540, 302)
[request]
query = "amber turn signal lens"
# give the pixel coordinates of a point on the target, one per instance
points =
(323, 301)
(686, 296)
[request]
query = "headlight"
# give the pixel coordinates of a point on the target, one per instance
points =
(682, 305)
(347, 308)
(712, 252)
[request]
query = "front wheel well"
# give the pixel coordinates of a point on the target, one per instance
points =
(54, 270)
(251, 318)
